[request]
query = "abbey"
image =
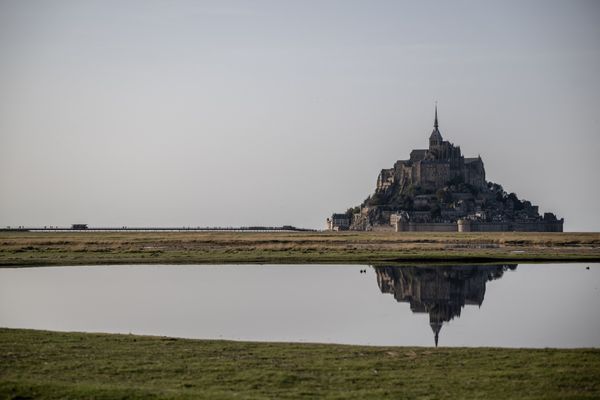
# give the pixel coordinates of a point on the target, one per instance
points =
(432, 168)
(438, 189)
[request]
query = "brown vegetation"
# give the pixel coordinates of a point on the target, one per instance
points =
(71, 248)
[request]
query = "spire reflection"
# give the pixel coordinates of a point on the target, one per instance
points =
(440, 291)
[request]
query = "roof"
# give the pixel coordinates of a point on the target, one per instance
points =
(417, 154)
(338, 216)
(436, 135)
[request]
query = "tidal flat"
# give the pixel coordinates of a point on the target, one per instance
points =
(52, 365)
(81, 248)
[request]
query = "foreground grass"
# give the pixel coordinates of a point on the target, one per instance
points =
(50, 365)
(77, 248)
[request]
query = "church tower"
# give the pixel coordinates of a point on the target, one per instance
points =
(436, 137)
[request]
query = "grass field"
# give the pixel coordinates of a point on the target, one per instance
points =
(50, 365)
(77, 248)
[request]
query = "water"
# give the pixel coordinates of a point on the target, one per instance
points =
(555, 305)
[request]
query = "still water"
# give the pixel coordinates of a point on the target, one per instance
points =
(553, 305)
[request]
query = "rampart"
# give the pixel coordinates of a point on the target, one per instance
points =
(516, 226)
(402, 226)
(478, 226)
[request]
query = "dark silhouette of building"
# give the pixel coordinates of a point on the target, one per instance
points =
(438, 189)
(79, 226)
(440, 291)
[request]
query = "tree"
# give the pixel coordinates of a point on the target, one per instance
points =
(436, 211)
(376, 199)
(443, 196)
(517, 204)
(352, 210)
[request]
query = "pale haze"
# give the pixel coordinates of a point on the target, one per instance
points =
(191, 113)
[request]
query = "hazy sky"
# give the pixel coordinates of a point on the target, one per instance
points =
(278, 112)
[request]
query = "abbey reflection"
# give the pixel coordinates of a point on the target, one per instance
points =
(441, 291)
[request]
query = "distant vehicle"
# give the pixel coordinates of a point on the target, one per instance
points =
(79, 226)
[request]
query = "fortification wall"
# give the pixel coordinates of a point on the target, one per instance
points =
(382, 228)
(542, 226)
(469, 226)
(535, 226)
(425, 227)
(474, 226)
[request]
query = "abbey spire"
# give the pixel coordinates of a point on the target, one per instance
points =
(436, 137)
(436, 327)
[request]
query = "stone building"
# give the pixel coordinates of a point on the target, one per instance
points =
(339, 222)
(432, 168)
(438, 189)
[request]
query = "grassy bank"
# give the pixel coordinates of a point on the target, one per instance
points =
(50, 365)
(76, 248)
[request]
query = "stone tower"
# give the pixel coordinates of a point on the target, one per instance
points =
(436, 137)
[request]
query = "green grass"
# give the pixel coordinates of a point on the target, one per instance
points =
(80, 248)
(50, 365)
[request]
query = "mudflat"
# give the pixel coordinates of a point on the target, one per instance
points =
(80, 248)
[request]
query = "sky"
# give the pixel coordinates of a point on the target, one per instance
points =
(237, 113)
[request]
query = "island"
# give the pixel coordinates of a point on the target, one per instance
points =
(439, 190)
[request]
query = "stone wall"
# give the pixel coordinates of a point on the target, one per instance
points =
(476, 226)
(431, 175)
(382, 228)
(474, 173)
(534, 226)
(385, 179)
(402, 226)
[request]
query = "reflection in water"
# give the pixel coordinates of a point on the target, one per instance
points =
(440, 291)
(544, 305)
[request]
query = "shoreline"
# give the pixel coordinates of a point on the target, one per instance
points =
(417, 261)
